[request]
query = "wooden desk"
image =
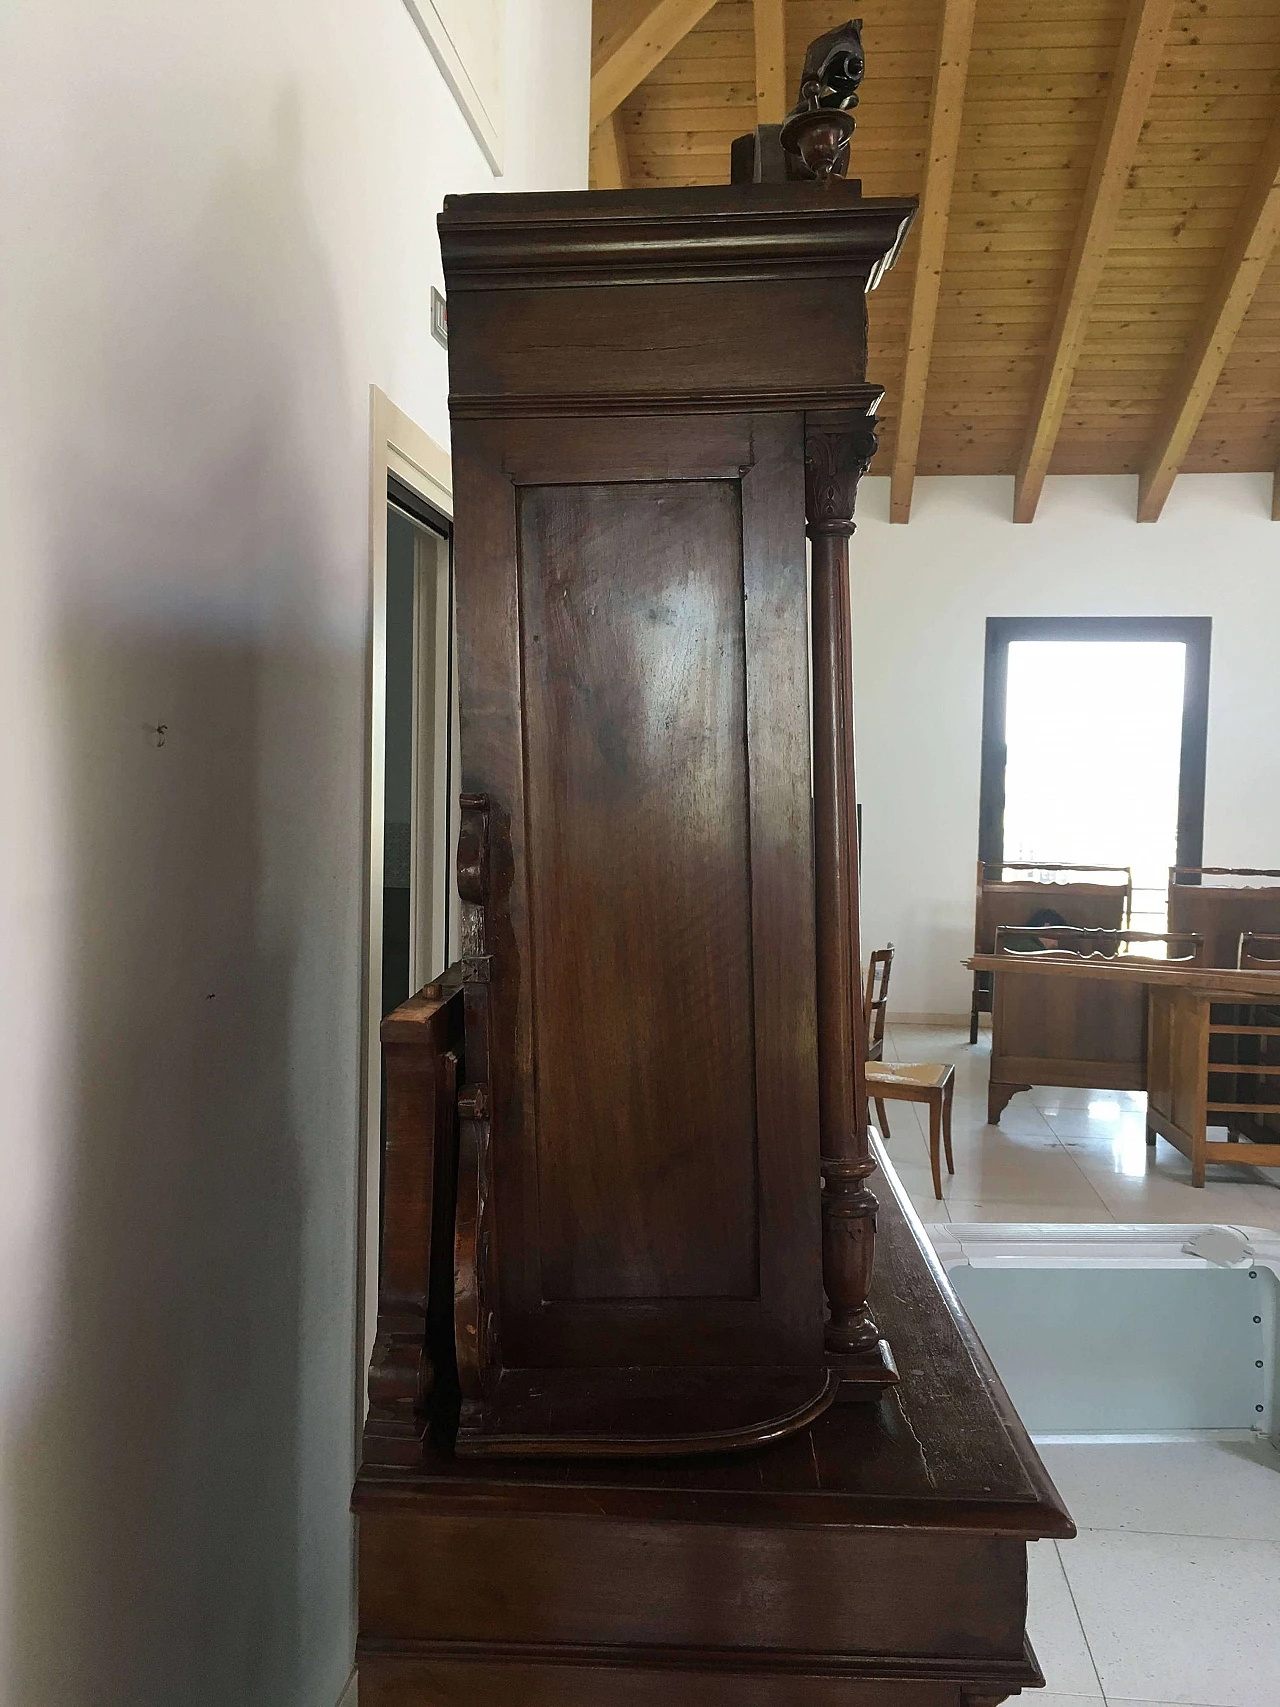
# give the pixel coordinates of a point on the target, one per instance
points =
(1202, 1042)
(877, 1558)
(1088, 1030)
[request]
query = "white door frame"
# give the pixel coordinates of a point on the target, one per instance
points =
(397, 445)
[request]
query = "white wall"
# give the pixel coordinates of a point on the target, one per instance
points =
(922, 594)
(219, 232)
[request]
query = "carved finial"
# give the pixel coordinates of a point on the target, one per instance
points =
(816, 131)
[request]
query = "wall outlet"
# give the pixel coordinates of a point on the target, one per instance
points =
(439, 318)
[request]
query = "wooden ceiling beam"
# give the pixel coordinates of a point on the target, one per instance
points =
(630, 54)
(945, 112)
(769, 18)
(610, 161)
(1249, 248)
(1132, 81)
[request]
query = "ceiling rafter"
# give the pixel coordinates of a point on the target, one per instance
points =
(945, 111)
(1249, 247)
(769, 22)
(1132, 81)
(610, 161)
(632, 52)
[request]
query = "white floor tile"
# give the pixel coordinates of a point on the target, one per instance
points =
(1130, 1701)
(1034, 1214)
(1016, 1116)
(1055, 1629)
(1126, 1127)
(1227, 1488)
(1053, 1699)
(1054, 1098)
(1179, 1619)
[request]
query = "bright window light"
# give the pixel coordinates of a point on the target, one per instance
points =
(1093, 730)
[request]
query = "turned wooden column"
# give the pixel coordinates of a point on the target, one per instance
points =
(838, 450)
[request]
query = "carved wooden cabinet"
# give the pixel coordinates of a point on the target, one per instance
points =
(629, 1231)
(654, 395)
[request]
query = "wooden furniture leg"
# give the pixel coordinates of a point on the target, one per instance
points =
(1198, 1159)
(882, 1118)
(947, 1098)
(998, 1096)
(973, 1011)
(935, 1141)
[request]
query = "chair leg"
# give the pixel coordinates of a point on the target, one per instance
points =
(946, 1124)
(935, 1133)
(883, 1119)
(973, 1012)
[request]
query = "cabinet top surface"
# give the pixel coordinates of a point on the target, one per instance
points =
(839, 198)
(601, 236)
(945, 1450)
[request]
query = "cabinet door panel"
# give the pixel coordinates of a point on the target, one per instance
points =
(635, 704)
(639, 889)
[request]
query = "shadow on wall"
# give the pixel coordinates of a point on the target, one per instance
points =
(178, 1525)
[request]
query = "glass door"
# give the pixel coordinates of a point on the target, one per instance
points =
(1093, 752)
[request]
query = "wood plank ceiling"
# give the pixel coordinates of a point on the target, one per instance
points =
(1099, 272)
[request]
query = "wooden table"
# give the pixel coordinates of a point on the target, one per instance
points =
(1201, 1041)
(878, 1557)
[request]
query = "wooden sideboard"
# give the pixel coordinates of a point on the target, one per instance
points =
(876, 1559)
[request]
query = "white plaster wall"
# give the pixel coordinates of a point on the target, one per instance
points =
(922, 594)
(218, 231)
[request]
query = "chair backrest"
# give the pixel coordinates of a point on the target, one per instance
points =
(876, 1003)
(1104, 904)
(1068, 942)
(1260, 950)
(1223, 912)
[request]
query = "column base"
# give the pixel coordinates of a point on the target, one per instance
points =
(865, 1375)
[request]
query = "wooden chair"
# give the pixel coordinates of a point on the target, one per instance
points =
(876, 1000)
(1105, 901)
(895, 1082)
(1223, 912)
(875, 1006)
(933, 1083)
(1258, 950)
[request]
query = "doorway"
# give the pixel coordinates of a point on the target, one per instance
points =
(417, 746)
(1093, 747)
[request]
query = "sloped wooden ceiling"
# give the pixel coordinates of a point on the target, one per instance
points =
(1100, 183)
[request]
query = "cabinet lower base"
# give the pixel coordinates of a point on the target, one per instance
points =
(467, 1675)
(642, 1413)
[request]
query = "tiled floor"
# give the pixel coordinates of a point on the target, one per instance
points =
(1170, 1594)
(1057, 1155)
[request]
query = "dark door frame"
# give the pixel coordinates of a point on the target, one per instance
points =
(1194, 631)
(425, 514)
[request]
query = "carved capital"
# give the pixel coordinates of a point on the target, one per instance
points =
(836, 456)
